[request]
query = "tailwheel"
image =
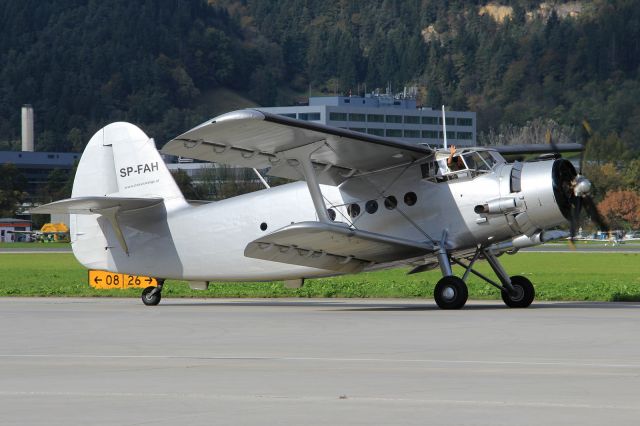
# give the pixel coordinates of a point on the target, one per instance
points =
(523, 295)
(450, 293)
(151, 295)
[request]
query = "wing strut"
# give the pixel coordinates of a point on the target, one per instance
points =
(302, 154)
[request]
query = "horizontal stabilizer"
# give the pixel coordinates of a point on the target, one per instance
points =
(108, 207)
(332, 247)
(93, 205)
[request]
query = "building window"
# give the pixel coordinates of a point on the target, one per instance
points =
(465, 136)
(430, 134)
(411, 119)
(347, 101)
(377, 132)
(309, 116)
(357, 117)
(394, 133)
(412, 133)
(450, 121)
(338, 116)
(394, 119)
(464, 121)
(450, 135)
(375, 118)
(429, 120)
(290, 115)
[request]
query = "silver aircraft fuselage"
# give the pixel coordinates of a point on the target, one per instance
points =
(207, 242)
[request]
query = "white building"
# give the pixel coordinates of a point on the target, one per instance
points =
(9, 227)
(386, 116)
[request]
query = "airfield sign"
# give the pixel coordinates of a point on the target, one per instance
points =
(109, 280)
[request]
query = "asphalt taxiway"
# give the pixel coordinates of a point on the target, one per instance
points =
(268, 362)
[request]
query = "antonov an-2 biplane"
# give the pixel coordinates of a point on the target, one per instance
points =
(361, 203)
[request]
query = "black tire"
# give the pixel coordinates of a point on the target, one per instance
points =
(525, 293)
(450, 293)
(151, 297)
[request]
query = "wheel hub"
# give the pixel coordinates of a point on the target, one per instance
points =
(448, 293)
(517, 294)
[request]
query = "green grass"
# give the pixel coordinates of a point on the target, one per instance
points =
(556, 276)
(34, 245)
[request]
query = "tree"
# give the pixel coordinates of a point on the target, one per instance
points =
(605, 178)
(12, 189)
(621, 209)
(56, 187)
(184, 182)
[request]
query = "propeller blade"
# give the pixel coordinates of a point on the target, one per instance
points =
(550, 141)
(594, 214)
(586, 135)
(575, 217)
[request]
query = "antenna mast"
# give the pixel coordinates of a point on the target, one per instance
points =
(444, 128)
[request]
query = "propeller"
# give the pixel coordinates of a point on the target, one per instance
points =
(579, 194)
(556, 152)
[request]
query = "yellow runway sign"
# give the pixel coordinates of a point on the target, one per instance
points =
(111, 280)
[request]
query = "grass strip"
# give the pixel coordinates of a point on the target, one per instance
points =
(556, 276)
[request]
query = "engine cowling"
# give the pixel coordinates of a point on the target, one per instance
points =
(546, 192)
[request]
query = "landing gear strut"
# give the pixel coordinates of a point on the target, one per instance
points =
(516, 291)
(151, 295)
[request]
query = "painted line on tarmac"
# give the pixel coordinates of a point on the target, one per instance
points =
(551, 363)
(316, 399)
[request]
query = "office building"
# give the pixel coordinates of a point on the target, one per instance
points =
(386, 116)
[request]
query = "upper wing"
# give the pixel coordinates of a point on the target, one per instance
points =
(251, 138)
(537, 148)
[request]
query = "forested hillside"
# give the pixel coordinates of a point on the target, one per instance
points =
(85, 63)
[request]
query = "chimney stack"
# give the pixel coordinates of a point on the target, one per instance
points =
(27, 128)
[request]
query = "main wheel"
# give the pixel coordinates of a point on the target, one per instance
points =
(450, 293)
(525, 293)
(150, 297)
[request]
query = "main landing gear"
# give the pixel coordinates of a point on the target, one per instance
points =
(451, 292)
(151, 295)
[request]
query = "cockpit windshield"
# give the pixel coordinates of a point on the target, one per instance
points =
(465, 164)
(475, 162)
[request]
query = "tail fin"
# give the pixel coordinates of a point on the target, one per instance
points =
(121, 161)
(120, 171)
